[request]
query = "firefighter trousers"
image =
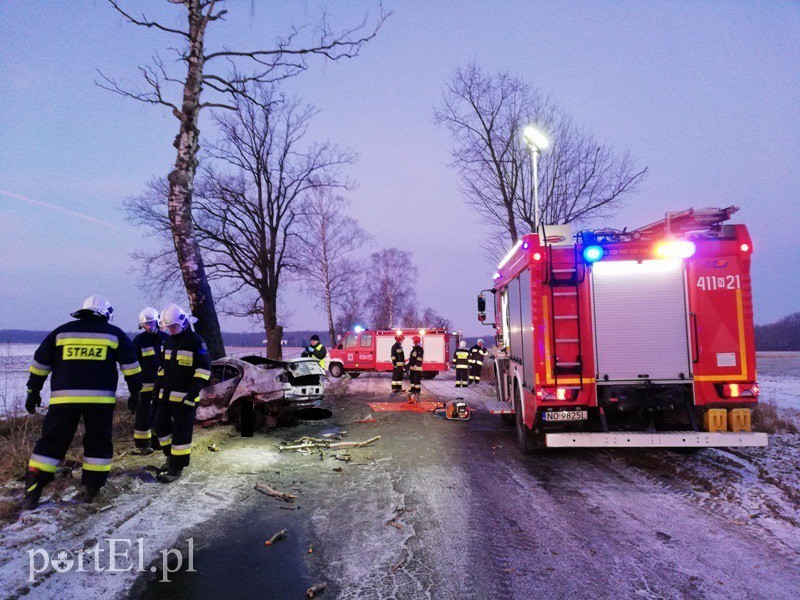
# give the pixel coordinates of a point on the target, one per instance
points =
(174, 425)
(415, 377)
(475, 371)
(59, 427)
(397, 379)
(462, 375)
(143, 422)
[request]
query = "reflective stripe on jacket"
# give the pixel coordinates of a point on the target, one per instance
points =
(82, 356)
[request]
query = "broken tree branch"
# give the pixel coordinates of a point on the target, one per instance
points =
(265, 489)
(310, 443)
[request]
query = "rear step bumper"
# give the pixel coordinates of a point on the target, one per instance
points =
(678, 439)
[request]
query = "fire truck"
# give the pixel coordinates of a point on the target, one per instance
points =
(639, 338)
(363, 350)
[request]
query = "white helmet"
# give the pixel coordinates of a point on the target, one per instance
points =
(97, 305)
(480, 340)
(462, 344)
(174, 314)
(148, 315)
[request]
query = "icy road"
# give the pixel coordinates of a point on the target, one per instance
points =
(440, 509)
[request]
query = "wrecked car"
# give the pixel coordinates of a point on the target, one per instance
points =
(253, 391)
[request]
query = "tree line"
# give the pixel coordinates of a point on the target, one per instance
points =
(783, 335)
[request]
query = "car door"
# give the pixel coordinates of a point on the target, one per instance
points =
(350, 347)
(366, 351)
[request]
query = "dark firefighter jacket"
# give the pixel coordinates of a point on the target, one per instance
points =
(185, 368)
(148, 351)
(398, 355)
(83, 356)
(477, 354)
(415, 358)
(461, 358)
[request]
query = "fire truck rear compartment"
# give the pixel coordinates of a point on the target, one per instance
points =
(641, 333)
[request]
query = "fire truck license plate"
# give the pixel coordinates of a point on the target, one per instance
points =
(566, 415)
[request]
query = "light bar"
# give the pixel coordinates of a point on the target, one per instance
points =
(675, 249)
(510, 254)
(592, 254)
(358, 329)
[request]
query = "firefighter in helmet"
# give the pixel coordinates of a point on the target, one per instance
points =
(148, 346)
(461, 362)
(316, 350)
(476, 355)
(415, 366)
(82, 355)
(398, 362)
(185, 371)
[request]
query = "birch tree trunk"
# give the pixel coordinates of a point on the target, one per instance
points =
(181, 188)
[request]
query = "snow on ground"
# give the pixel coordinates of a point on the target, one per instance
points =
(779, 378)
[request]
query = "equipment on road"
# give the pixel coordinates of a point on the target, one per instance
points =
(455, 410)
(615, 330)
(371, 350)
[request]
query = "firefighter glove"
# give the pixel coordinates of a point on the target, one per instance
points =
(33, 400)
(133, 402)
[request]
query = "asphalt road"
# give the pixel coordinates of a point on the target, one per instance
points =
(441, 509)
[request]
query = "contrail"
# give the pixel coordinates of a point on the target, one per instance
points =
(66, 211)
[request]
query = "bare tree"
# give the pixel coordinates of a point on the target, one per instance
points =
(351, 311)
(325, 252)
(433, 320)
(390, 287)
(248, 202)
(285, 59)
(579, 178)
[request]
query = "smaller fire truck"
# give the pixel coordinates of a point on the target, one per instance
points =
(363, 350)
(631, 338)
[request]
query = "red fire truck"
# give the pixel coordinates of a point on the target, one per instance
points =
(370, 350)
(628, 338)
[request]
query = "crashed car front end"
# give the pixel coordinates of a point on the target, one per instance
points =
(276, 388)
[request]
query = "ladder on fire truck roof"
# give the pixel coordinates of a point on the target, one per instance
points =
(565, 272)
(687, 221)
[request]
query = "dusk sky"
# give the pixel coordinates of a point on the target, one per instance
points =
(706, 95)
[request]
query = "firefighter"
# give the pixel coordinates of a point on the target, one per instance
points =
(461, 362)
(82, 355)
(185, 371)
(148, 346)
(316, 350)
(415, 366)
(476, 355)
(398, 363)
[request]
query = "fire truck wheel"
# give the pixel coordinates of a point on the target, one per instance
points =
(336, 370)
(429, 374)
(527, 440)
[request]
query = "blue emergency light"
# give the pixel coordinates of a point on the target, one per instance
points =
(592, 254)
